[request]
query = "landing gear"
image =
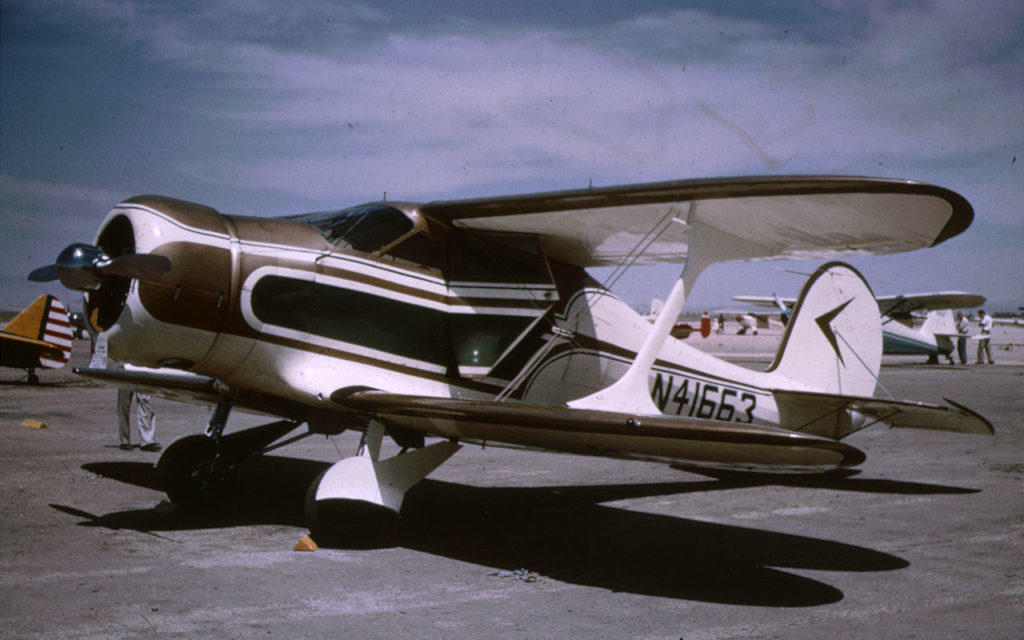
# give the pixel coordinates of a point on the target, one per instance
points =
(193, 474)
(199, 471)
(32, 377)
(358, 499)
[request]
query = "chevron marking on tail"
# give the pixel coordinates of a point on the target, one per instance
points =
(57, 331)
(825, 323)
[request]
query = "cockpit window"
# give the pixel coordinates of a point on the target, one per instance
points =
(364, 228)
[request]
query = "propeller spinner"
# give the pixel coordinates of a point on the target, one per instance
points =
(84, 267)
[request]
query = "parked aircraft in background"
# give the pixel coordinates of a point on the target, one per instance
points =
(715, 322)
(680, 330)
(37, 338)
(904, 330)
(474, 321)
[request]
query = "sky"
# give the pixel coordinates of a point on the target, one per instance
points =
(257, 110)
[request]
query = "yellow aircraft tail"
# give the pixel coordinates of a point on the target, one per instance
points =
(45, 319)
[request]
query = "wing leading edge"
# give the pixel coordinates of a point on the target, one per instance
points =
(773, 216)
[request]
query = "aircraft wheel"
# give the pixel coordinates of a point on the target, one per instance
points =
(33, 378)
(349, 523)
(190, 475)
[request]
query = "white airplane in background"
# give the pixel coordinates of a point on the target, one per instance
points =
(932, 337)
(474, 321)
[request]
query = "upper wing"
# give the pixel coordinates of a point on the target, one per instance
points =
(904, 304)
(773, 217)
(820, 411)
(765, 301)
(664, 438)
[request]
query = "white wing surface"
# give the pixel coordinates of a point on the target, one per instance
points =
(903, 304)
(772, 217)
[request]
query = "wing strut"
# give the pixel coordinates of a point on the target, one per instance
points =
(707, 245)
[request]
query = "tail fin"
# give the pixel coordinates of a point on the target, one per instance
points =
(833, 341)
(939, 322)
(45, 319)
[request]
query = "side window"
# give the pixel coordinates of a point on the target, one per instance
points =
(419, 249)
(478, 340)
(498, 258)
(352, 316)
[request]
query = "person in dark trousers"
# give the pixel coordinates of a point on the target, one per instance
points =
(985, 324)
(962, 329)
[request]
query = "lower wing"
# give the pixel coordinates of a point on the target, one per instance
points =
(173, 384)
(604, 433)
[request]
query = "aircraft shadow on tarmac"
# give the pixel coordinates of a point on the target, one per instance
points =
(562, 533)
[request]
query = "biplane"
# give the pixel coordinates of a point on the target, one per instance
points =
(913, 323)
(458, 322)
(37, 338)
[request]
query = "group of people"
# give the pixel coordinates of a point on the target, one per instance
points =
(962, 331)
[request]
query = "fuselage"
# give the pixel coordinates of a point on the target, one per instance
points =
(291, 309)
(900, 339)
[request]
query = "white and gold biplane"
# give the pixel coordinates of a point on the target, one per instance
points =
(474, 321)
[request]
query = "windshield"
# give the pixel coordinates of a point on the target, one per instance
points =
(364, 228)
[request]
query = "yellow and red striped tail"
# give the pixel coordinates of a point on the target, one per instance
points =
(57, 331)
(46, 319)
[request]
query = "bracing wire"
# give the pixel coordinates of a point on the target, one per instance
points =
(627, 262)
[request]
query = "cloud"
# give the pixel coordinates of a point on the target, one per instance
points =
(661, 95)
(333, 103)
(674, 91)
(45, 193)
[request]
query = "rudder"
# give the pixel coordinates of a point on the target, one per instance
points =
(833, 341)
(45, 319)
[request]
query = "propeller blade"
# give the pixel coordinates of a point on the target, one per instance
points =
(145, 265)
(44, 274)
(83, 267)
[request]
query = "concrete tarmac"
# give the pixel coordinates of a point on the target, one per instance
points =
(925, 542)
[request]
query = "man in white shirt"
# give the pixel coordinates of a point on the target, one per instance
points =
(985, 324)
(963, 328)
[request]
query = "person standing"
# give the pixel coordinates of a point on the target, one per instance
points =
(985, 324)
(146, 420)
(143, 405)
(962, 329)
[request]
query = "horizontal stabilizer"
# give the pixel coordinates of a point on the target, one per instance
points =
(605, 433)
(823, 407)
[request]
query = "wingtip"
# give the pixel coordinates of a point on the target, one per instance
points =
(984, 422)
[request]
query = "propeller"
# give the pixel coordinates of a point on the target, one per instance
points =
(83, 267)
